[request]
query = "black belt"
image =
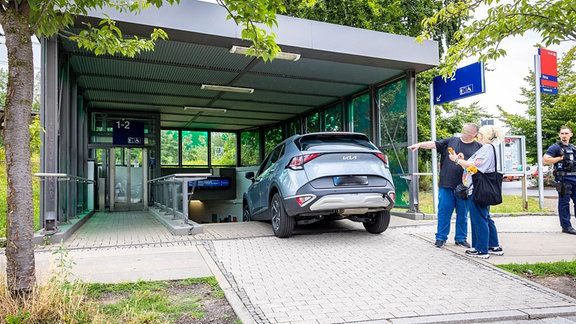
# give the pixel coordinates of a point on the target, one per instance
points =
(564, 173)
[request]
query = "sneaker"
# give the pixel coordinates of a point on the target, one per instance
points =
(496, 250)
(475, 254)
(439, 243)
(463, 244)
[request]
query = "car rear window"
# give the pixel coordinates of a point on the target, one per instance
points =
(310, 142)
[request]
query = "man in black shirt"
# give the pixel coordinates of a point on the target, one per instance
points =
(562, 155)
(450, 177)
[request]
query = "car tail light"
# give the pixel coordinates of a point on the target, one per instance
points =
(303, 200)
(392, 195)
(382, 157)
(298, 162)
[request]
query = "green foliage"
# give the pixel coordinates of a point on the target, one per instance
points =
(223, 148)
(398, 17)
(556, 110)
(560, 268)
(150, 301)
(554, 20)
(250, 148)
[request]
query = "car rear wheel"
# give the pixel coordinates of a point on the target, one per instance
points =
(378, 223)
(246, 213)
(282, 224)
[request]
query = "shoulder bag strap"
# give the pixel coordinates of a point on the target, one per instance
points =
(495, 159)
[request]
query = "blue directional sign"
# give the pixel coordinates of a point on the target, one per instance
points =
(549, 90)
(465, 82)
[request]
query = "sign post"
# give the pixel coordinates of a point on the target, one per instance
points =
(545, 80)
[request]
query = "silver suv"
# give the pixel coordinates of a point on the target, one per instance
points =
(316, 176)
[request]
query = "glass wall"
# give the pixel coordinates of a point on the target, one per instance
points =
(272, 137)
(361, 115)
(194, 148)
(223, 149)
(294, 127)
(250, 148)
(333, 119)
(394, 135)
(169, 147)
(313, 123)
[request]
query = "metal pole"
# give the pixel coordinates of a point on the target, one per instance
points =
(539, 130)
(434, 153)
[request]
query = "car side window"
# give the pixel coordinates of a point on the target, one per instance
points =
(271, 160)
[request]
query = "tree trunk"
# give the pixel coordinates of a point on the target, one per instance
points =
(20, 268)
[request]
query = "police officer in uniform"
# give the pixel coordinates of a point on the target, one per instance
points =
(563, 156)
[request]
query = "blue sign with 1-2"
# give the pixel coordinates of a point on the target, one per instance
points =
(465, 82)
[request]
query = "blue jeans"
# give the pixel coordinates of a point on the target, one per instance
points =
(447, 202)
(564, 204)
(484, 233)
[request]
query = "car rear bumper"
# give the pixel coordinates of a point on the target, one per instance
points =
(342, 203)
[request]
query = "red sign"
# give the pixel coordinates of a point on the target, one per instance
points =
(548, 83)
(548, 71)
(548, 64)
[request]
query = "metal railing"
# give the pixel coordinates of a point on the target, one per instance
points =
(70, 197)
(172, 193)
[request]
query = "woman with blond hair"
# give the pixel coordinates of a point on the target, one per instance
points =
(484, 233)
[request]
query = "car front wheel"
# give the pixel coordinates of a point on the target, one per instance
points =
(378, 223)
(282, 224)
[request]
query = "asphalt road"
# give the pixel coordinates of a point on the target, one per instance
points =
(515, 188)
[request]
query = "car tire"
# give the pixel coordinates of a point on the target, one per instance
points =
(246, 213)
(379, 222)
(282, 224)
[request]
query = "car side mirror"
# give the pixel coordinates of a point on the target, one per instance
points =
(249, 175)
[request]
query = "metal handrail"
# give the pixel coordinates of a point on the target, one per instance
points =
(181, 177)
(163, 186)
(64, 177)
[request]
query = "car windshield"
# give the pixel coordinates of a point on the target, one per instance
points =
(311, 142)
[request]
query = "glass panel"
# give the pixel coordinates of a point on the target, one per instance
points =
(333, 119)
(393, 121)
(394, 135)
(294, 127)
(272, 137)
(250, 148)
(223, 148)
(194, 148)
(361, 114)
(313, 123)
(169, 147)
(136, 176)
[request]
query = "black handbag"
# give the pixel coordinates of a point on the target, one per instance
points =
(461, 191)
(487, 187)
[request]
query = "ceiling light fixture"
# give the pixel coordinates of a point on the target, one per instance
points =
(222, 110)
(226, 88)
(281, 55)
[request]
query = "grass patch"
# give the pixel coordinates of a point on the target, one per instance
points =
(510, 204)
(163, 301)
(60, 300)
(560, 268)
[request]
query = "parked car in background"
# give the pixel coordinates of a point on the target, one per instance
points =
(317, 176)
(532, 171)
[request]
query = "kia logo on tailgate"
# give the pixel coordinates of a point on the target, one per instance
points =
(349, 157)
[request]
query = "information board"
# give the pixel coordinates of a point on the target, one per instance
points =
(513, 155)
(128, 133)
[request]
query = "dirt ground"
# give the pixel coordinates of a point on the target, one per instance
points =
(563, 284)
